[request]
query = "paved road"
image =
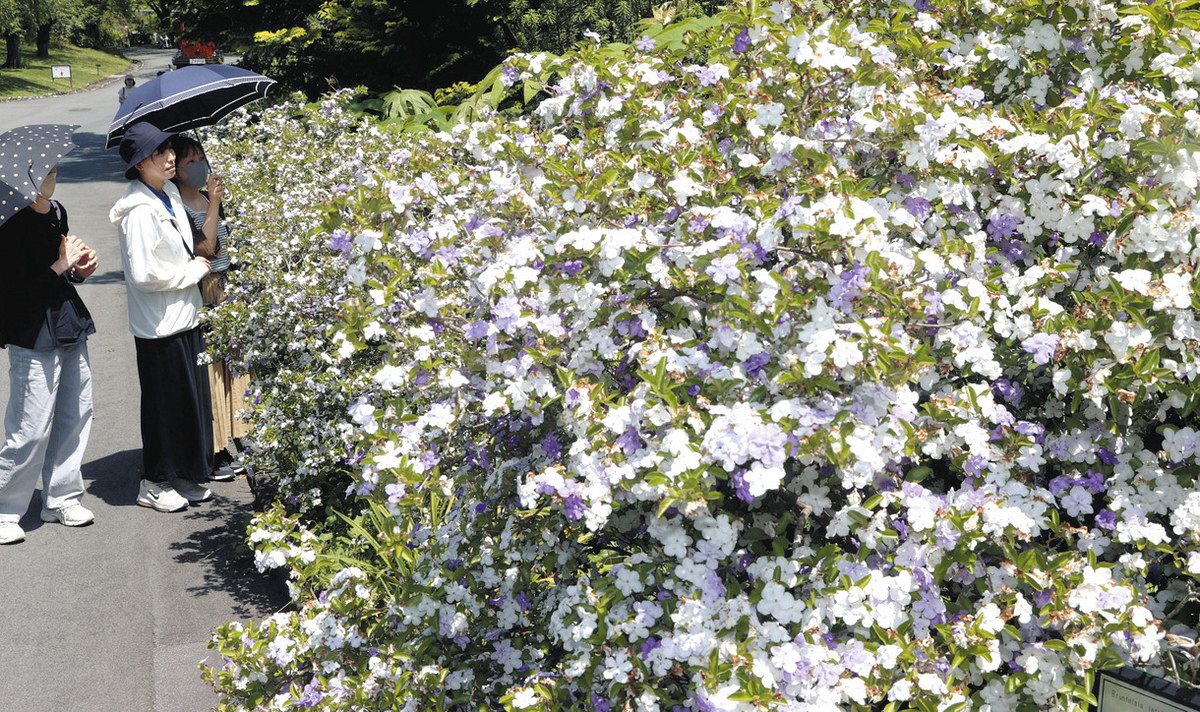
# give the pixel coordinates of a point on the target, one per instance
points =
(115, 616)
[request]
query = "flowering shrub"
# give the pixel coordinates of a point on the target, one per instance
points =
(290, 287)
(829, 360)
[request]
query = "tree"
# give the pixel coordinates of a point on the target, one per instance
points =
(11, 29)
(409, 43)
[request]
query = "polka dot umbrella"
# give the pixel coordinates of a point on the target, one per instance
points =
(27, 154)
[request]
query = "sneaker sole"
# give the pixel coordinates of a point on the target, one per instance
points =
(13, 541)
(50, 517)
(151, 505)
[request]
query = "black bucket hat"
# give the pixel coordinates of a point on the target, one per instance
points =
(139, 143)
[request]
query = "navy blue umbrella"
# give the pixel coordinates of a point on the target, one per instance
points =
(187, 98)
(27, 154)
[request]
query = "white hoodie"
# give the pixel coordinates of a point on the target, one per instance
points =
(161, 277)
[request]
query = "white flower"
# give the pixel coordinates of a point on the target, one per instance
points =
(526, 698)
(684, 188)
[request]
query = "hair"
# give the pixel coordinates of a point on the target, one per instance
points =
(185, 146)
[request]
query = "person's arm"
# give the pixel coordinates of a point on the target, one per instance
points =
(206, 237)
(207, 243)
(147, 271)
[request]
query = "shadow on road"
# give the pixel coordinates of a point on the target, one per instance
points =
(228, 564)
(115, 276)
(114, 478)
(90, 161)
(217, 542)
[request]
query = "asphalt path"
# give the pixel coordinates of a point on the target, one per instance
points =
(116, 616)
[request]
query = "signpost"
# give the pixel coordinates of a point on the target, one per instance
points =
(1131, 690)
(62, 71)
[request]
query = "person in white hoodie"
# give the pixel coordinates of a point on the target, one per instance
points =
(161, 274)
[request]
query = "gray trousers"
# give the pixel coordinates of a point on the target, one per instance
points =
(45, 428)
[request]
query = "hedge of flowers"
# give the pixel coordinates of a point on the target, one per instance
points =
(832, 358)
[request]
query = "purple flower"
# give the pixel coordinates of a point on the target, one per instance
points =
(741, 43)
(551, 446)
(1106, 456)
(1097, 238)
(906, 181)
(1106, 519)
(571, 267)
(1093, 482)
(599, 704)
(312, 695)
(918, 207)
(1035, 430)
(509, 75)
(523, 601)
(741, 487)
(645, 44)
(1043, 597)
(1009, 391)
(1059, 484)
(1003, 225)
(630, 441)
(1041, 346)
(395, 492)
(575, 507)
(755, 364)
(340, 242)
(849, 285)
(649, 645)
(477, 330)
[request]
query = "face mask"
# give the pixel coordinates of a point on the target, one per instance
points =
(197, 174)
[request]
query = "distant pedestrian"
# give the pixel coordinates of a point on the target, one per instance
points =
(161, 272)
(129, 84)
(45, 326)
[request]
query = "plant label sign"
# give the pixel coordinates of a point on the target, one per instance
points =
(1131, 690)
(60, 71)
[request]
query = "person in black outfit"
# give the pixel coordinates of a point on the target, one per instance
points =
(45, 326)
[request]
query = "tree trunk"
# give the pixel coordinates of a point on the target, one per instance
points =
(12, 58)
(43, 40)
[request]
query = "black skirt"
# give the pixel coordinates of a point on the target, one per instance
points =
(177, 440)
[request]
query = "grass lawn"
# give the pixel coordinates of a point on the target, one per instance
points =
(33, 79)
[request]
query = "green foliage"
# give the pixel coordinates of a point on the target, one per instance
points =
(556, 25)
(312, 45)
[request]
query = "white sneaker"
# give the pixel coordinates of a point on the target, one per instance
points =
(191, 491)
(160, 497)
(11, 533)
(72, 515)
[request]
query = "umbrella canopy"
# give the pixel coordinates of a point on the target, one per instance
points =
(187, 98)
(27, 154)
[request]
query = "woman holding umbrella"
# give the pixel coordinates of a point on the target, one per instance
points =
(162, 273)
(45, 326)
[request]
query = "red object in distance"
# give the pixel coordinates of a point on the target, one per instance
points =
(192, 49)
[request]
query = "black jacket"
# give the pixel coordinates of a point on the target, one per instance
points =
(38, 308)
